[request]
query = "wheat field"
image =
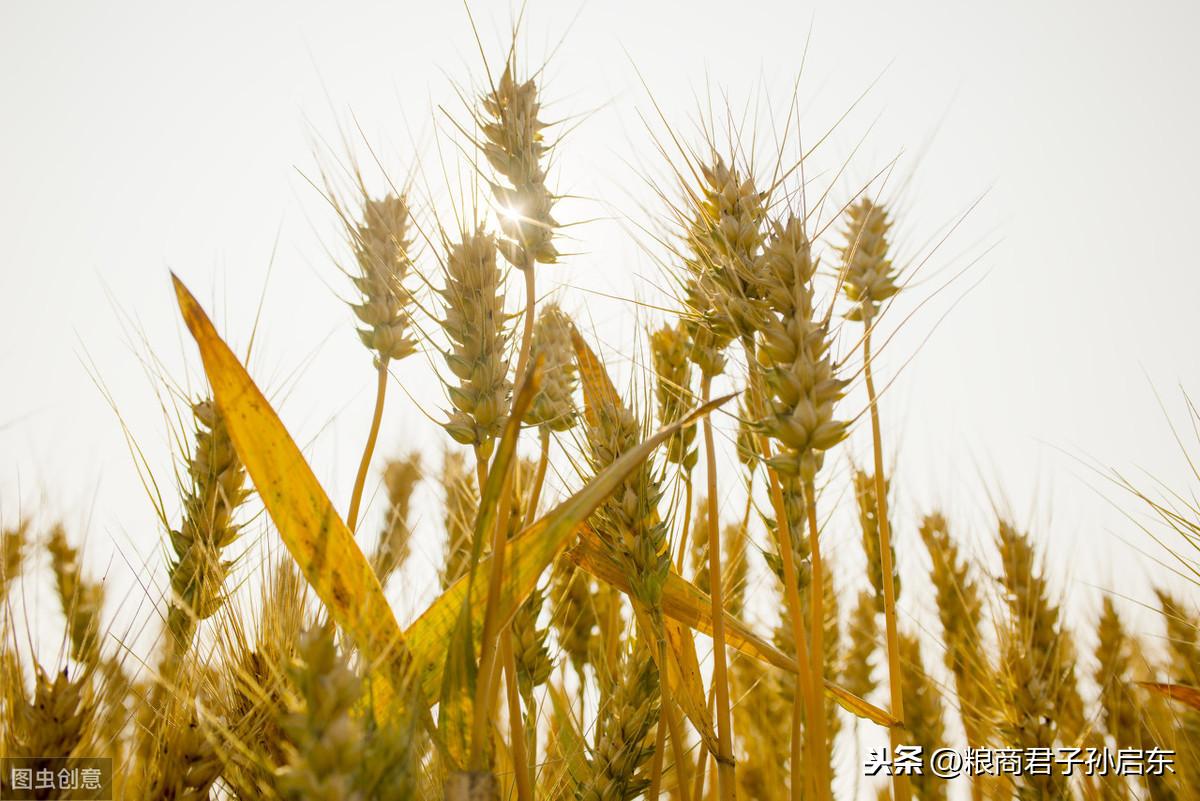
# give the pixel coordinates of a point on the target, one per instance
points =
(618, 613)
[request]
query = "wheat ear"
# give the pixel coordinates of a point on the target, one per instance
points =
(381, 250)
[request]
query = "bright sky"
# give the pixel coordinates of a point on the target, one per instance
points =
(140, 137)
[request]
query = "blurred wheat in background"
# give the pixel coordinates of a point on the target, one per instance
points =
(606, 624)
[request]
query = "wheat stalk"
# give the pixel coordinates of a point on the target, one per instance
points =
(868, 279)
(381, 250)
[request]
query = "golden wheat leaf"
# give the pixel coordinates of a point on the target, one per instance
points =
(305, 518)
(681, 673)
(684, 671)
(526, 557)
(598, 389)
(1176, 692)
(686, 603)
(459, 673)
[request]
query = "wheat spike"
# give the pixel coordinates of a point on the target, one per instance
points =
(381, 249)
(14, 543)
(793, 352)
(863, 630)
(515, 146)
(254, 686)
(868, 277)
(724, 237)
(81, 600)
(474, 320)
(1042, 699)
(324, 738)
(574, 617)
(623, 742)
(1183, 639)
(554, 404)
(960, 610)
(400, 479)
(217, 488)
(182, 762)
(669, 346)
(461, 501)
(55, 722)
(868, 521)
(628, 521)
(923, 716)
(1119, 706)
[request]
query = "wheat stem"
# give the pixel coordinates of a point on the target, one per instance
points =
(725, 762)
(901, 787)
(364, 464)
(679, 751)
(687, 523)
(656, 766)
(527, 327)
(702, 757)
(539, 477)
(806, 706)
(521, 765)
(817, 594)
(489, 644)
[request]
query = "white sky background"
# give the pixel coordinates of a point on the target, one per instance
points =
(139, 137)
